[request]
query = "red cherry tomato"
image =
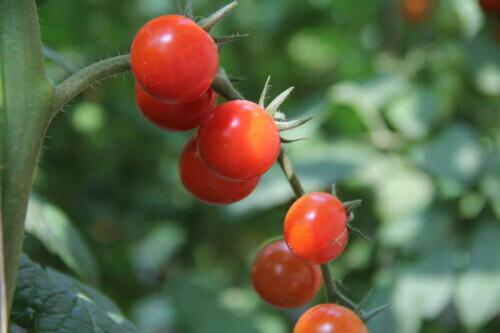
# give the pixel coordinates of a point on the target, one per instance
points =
(282, 279)
(175, 117)
(206, 185)
(490, 6)
(315, 227)
(174, 59)
(415, 11)
(329, 318)
(239, 140)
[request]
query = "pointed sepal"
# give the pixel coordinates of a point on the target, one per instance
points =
(276, 103)
(286, 141)
(210, 22)
(265, 91)
(223, 40)
(291, 124)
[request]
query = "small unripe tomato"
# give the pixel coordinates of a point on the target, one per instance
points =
(415, 11)
(239, 140)
(207, 186)
(282, 279)
(174, 59)
(491, 7)
(330, 318)
(316, 227)
(175, 117)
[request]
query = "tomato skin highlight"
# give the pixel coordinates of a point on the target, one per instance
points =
(315, 227)
(239, 140)
(175, 117)
(329, 318)
(490, 6)
(282, 279)
(173, 59)
(207, 186)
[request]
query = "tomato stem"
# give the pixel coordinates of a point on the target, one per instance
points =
(86, 77)
(332, 291)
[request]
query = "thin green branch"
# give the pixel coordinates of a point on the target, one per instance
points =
(287, 167)
(223, 86)
(332, 290)
(87, 77)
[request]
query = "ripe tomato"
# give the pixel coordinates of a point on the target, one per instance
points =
(315, 227)
(239, 140)
(206, 185)
(175, 117)
(490, 6)
(174, 59)
(329, 318)
(415, 10)
(282, 279)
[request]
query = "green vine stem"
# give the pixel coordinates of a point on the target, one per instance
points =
(26, 95)
(88, 76)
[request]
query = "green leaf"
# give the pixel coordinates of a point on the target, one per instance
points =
(393, 191)
(153, 314)
(46, 301)
(423, 290)
(152, 253)
(54, 230)
(469, 15)
(370, 96)
(414, 113)
(417, 233)
(454, 155)
(194, 300)
(477, 296)
(484, 64)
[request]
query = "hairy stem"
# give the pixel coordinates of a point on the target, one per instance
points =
(26, 98)
(87, 77)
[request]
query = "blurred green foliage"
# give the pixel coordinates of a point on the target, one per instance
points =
(406, 117)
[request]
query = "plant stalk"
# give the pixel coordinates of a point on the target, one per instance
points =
(26, 93)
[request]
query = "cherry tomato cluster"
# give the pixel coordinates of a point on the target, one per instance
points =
(286, 272)
(174, 62)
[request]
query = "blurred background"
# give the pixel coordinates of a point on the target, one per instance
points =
(406, 99)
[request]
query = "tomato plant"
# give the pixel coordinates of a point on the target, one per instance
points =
(329, 318)
(282, 279)
(173, 59)
(208, 186)
(316, 227)
(239, 140)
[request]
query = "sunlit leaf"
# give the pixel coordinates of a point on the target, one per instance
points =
(55, 231)
(454, 155)
(423, 290)
(46, 301)
(477, 296)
